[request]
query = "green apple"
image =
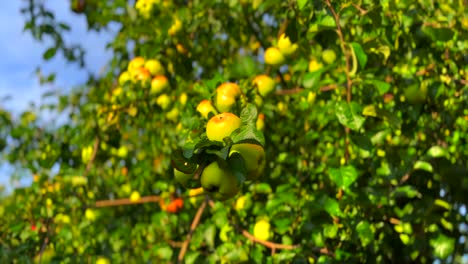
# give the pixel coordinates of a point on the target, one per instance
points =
(182, 178)
(273, 56)
(205, 107)
(154, 67)
(159, 84)
(328, 56)
(219, 181)
(221, 126)
(254, 158)
(265, 84)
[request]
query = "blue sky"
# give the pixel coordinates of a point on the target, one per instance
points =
(21, 55)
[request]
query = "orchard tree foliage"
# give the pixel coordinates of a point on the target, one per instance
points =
(356, 113)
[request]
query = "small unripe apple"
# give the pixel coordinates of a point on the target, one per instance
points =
(230, 89)
(328, 56)
(183, 99)
(264, 83)
(219, 181)
(205, 107)
(254, 158)
(154, 67)
(221, 126)
(159, 84)
(137, 62)
(163, 101)
(285, 46)
(273, 56)
(224, 102)
(173, 114)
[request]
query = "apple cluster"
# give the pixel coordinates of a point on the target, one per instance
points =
(221, 176)
(150, 76)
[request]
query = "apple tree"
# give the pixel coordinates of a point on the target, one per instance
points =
(247, 131)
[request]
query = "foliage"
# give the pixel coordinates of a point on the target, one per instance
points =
(365, 136)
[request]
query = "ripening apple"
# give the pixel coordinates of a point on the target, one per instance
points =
(205, 107)
(230, 89)
(314, 65)
(154, 67)
(221, 126)
(285, 46)
(254, 158)
(159, 84)
(260, 124)
(219, 181)
(137, 62)
(273, 56)
(224, 102)
(140, 75)
(264, 83)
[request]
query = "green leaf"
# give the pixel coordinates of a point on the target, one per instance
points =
(312, 79)
(332, 207)
(439, 34)
(344, 176)
(237, 165)
(437, 152)
(381, 86)
(362, 142)
(248, 134)
(360, 54)
(181, 163)
(365, 233)
(249, 114)
(327, 21)
(443, 246)
(406, 191)
(390, 118)
(301, 4)
(423, 165)
(348, 114)
(49, 53)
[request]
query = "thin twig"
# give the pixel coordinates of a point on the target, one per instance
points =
(349, 82)
(126, 201)
(193, 226)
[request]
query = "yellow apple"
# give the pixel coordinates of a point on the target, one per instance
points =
(135, 196)
(273, 56)
(230, 89)
(205, 107)
(262, 230)
(159, 84)
(163, 101)
(221, 126)
(254, 158)
(264, 84)
(154, 67)
(124, 78)
(137, 62)
(224, 102)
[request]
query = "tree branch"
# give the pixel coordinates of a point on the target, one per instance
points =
(193, 226)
